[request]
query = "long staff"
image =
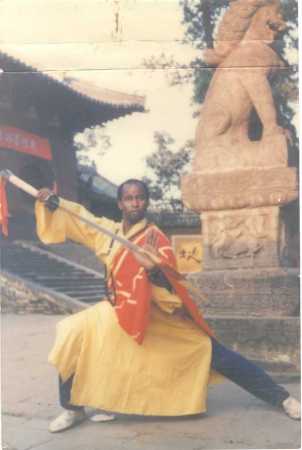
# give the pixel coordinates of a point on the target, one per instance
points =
(21, 184)
(16, 181)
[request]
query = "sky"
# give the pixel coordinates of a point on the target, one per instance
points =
(168, 109)
(77, 38)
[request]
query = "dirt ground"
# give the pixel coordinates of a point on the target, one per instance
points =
(235, 420)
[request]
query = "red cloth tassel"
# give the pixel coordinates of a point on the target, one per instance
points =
(3, 207)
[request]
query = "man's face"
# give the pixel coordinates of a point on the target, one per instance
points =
(133, 203)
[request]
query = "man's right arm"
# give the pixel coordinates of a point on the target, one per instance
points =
(56, 226)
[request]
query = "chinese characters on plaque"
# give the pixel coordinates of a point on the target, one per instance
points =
(188, 251)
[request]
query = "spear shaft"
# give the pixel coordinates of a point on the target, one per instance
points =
(21, 184)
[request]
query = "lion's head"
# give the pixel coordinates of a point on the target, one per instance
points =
(246, 19)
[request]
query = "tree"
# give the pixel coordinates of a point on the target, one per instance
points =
(91, 146)
(175, 72)
(201, 18)
(167, 166)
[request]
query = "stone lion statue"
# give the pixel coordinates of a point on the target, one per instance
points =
(240, 85)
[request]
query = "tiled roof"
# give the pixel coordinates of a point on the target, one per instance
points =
(97, 94)
(98, 184)
(79, 88)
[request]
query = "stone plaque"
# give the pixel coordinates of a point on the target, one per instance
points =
(242, 238)
(188, 251)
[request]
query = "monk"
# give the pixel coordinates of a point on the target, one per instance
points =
(144, 349)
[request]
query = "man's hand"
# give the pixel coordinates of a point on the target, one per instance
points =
(44, 194)
(144, 259)
(48, 197)
(149, 257)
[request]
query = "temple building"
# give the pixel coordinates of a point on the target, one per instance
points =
(39, 116)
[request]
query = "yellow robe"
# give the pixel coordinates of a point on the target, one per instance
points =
(167, 375)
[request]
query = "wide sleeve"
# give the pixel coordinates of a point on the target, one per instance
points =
(58, 226)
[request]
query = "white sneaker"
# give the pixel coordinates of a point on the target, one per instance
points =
(292, 408)
(66, 419)
(102, 417)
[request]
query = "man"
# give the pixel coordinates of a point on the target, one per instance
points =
(145, 349)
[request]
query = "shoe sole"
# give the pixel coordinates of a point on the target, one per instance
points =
(77, 422)
(102, 418)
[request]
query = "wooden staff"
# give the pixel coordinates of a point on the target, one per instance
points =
(16, 181)
(170, 271)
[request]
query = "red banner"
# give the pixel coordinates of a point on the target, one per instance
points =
(24, 142)
(3, 208)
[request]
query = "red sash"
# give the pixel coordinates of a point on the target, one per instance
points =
(133, 289)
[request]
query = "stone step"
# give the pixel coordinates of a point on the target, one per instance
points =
(71, 280)
(83, 292)
(66, 272)
(74, 253)
(89, 300)
(271, 340)
(282, 369)
(20, 295)
(77, 284)
(62, 280)
(249, 292)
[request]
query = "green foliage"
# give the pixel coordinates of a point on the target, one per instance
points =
(167, 165)
(200, 18)
(201, 79)
(91, 146)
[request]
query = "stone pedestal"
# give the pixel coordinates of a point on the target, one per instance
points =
(237, 189)
(249, 292)
(244, 237)
(241, 221)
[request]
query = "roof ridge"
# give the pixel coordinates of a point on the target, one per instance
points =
(85, 89)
